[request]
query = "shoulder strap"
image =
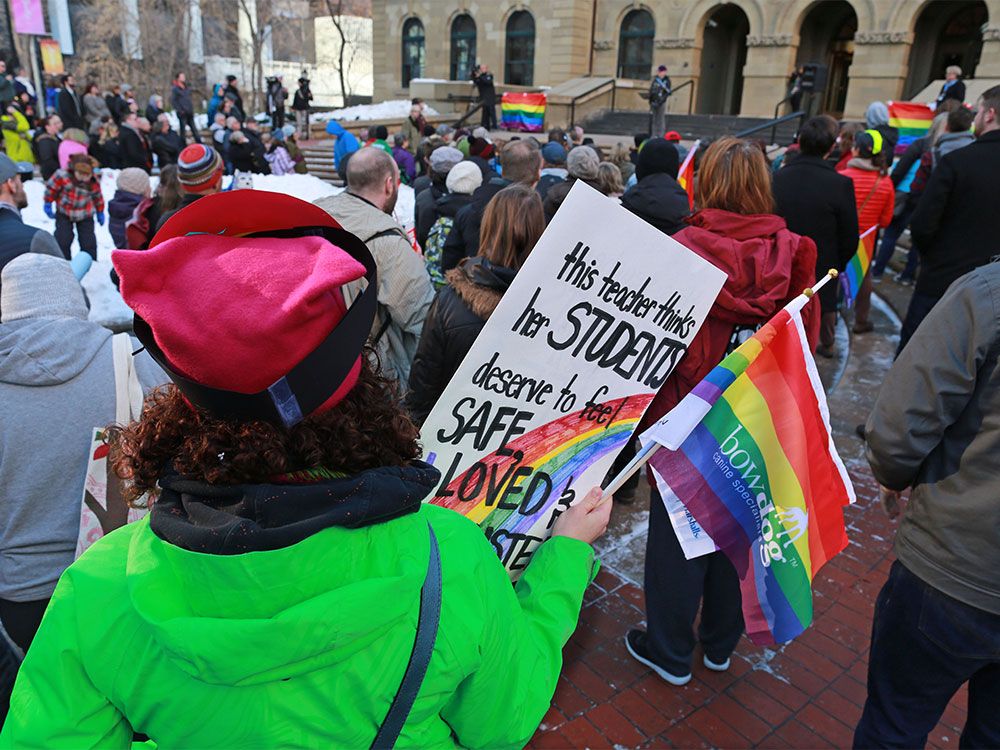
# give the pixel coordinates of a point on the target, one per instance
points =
(870, 194)
(382, 310)
(423, 646)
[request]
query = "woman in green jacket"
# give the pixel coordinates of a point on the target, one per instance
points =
(281, 592)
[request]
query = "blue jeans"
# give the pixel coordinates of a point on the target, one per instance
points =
(889, 238)
(925, 646)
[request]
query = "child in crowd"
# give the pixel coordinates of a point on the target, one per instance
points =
(133, 189)
(76, 195)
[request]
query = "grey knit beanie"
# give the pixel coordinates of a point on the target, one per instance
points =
(40, 286)
(582, 163)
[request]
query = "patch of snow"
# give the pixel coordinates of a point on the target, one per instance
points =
(390, 110)
(200, 121)
(106, 305)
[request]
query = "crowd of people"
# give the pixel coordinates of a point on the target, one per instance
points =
(280, 433)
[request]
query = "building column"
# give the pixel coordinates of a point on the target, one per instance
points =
(878, 69)
(989, 60)
(770, 60)
(196, 42)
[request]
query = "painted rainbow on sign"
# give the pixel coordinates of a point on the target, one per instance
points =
(912, 119)
(524, 112)
(760, 475)
(563, 448)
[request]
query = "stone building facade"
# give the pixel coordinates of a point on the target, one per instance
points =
(738, 55)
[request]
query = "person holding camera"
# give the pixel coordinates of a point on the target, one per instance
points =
(300, 105)
(482, 79)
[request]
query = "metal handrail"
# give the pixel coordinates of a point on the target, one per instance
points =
(592, 92)
(690, 84)
(773, 125)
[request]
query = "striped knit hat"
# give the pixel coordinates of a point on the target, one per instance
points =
(198, 168)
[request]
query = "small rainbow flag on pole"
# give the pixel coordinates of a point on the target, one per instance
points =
(858, 266)
(522, 111)
(750, 457)
(912, 119)
(685, 175)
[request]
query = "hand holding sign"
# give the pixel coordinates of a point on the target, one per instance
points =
(587, 520)
(558, 379)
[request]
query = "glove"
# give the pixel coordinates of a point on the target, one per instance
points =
(80, 264)
(100, 218)
(49, 211)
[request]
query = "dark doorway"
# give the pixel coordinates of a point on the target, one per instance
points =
(723, 55)
(947, 32)
(826, 38)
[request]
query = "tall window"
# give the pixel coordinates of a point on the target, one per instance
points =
(635, 45)
(463, 47)
(519, 62)
(413, 50)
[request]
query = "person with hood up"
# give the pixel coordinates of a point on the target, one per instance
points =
(581, 164)
(520, 162)
(512, 224)
(442, 161)
(57, 383)
(346, 144)
(287, 455)
(481, 153)
(462, 181)
(553, 167)
(767, 266)
(132, 189)
(874, 196)
(877, 118)
(215, 102)
(154, 107)
(657, 198)
(403, 158)
(73, 198)
(17, 134)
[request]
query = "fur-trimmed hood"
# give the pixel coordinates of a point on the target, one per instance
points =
(480, 284)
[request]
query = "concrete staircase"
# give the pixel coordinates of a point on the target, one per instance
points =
(628, 122)
(319, 158)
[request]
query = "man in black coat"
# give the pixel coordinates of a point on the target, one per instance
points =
(46, 145)
(483, 81)
(167, 143)
(953, 88)
(69, 105)
(180, 100)
(818, 202)
(953, 225)
(657, 198)
(134, 147)
(521, 162)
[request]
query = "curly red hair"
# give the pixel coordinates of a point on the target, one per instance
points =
(368, 429)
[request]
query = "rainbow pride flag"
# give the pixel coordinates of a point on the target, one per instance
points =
(524, 112)
(749, 455)
(912, 119)
(685, 175)
(858, 266)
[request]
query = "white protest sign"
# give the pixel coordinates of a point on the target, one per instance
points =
(594, 323)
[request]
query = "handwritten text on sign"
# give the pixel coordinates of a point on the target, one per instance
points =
(594, 323)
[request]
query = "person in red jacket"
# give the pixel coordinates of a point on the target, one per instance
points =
(875, 196)
(767, 266)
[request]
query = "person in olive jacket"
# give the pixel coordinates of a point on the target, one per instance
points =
(512, 223)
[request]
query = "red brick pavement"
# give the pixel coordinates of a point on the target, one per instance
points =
(806, 694)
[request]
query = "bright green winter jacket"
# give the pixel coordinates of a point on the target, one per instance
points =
(302, 646)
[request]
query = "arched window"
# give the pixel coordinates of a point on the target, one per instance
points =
(635, 45)
(413, 50)
(463, 47)
(519, 59)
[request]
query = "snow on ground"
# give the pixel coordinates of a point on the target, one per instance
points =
(390, 110)
(106, 305)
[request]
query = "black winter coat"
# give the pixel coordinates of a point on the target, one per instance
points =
(167, 147)
(557, 193)
(659, 200)
(818, 202)
(300, 102)
(953, 223)
(463, 239)
(454, 320)
(135, 149)
(423, 208)
(47, 151)
(70, 110)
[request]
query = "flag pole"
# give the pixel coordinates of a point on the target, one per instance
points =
(650, 448)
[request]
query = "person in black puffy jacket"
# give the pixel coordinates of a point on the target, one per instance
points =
(512, 223)
(657, 198)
